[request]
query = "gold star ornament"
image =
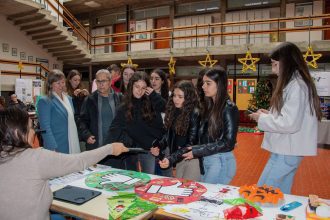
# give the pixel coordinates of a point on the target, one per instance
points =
(20, 65)
(208, 62)
(311, 57)
(171, 66)
(248, 62)
(129, 63)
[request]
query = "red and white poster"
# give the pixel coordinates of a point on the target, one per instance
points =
(171, 191)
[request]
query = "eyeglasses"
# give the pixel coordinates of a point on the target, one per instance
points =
(101, 81)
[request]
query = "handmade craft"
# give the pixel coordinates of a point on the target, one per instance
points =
(115, 180)
(171, 191)
(263, 195)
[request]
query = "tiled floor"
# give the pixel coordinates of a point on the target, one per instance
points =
(313, 175)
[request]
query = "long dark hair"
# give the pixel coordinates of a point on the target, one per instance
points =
(199, 85)
(213, 111)
(147, 111)
(122, 84)
(164, 89)
(14, 129)
(292, 62)
(69, 88)
(190, 103)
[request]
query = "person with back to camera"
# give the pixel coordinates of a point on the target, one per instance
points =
(218, 130)
(24, 186)
(291, 123)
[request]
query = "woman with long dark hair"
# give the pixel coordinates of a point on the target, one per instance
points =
(75, 89)
(126, 74)
(159, 83)
(218, 130)
(25, 171)
(182, 120)
(139, 120)
(291, 123)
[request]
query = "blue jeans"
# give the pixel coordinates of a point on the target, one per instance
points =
(279, 171)
(57, 217)
(147, 162)
(219, 168)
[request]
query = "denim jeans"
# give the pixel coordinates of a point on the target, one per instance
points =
(147, 162)
(219, 168)
(57, 217)
(279, 171)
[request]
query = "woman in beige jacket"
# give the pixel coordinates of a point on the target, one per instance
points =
(24, 187)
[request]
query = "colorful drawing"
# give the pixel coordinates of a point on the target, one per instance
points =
(171, 191)
(115, 180)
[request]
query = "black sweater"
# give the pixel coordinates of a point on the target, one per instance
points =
(140, 132)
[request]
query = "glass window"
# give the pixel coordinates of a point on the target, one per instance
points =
(163, 11)
(151, 12)
(249, 3)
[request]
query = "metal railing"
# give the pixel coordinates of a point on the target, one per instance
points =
(40, 72)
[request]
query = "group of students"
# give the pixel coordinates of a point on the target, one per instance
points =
(197, 133)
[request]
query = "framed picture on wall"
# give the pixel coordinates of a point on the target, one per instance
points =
(304, 9)
(22, 55)
(30, 58)
(14, 52)
(141, 26)
(5, 47)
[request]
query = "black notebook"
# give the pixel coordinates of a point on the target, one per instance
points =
(75, 195)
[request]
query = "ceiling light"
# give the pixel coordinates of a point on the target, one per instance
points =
(92, 4)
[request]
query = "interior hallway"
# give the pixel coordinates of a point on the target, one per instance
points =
(313, 175)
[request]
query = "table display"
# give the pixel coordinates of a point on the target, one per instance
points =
(175, 199)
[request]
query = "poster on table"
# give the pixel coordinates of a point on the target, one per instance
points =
(322, 82)
(23, 90)
(171, 191)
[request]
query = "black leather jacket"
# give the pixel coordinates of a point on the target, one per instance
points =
(169, 137)
(227, 139)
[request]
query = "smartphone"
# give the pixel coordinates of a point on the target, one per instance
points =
(249, 111)
(290, 206)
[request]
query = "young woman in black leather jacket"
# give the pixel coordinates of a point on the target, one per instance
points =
(218, 130)
(182, 120)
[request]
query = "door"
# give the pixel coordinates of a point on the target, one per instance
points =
(162, 23)
(119, 28)
(327, 21)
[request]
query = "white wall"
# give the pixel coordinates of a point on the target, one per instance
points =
(303, 36)
(17, 39)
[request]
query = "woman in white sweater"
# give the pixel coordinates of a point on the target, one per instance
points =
(291, 124)
(24, 187)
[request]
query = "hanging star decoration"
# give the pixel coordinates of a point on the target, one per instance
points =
(20, 65)
(171, 66)
(208, 62)
(248, 62)
(311, 57)
(129, 63)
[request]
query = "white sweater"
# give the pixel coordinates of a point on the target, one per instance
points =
(294, 130)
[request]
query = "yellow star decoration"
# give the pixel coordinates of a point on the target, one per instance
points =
(311, 57)
(171, 66)
(248, 62)
(20, 65)
(129, 62)
(207, 60)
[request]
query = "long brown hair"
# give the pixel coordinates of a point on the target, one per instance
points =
(69, 88)
(14, 129)
(122, 84)
(190, 103)
(213, 111)
(291, 62)
(147, 111)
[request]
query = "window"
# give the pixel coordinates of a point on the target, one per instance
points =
(151, 13)
(191, 8)
(249, 3)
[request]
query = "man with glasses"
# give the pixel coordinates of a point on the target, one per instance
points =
(97, 113)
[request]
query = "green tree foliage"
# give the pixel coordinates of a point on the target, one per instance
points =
(261, 96)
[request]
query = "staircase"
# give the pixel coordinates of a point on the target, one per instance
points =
(45, 30)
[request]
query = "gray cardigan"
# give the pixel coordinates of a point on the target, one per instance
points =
(25, 192)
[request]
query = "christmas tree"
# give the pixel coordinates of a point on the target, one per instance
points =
(261, 96)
